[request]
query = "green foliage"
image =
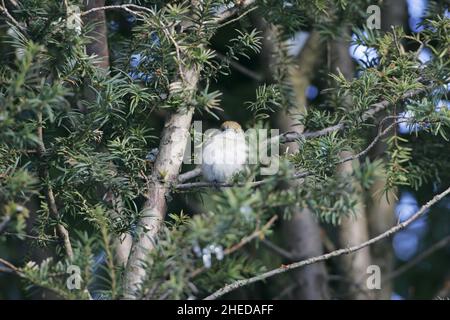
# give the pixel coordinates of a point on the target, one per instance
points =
(69, 126)
(319, 155)
(268, 100)
(176, 271)
(316, 119)
(332, 199)
(368, 172)
(53, 275)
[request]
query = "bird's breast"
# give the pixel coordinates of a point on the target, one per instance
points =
(225, 149)
(223, 155)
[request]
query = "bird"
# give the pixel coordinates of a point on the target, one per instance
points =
(224, 154)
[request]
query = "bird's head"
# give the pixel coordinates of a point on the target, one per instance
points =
(231, 125)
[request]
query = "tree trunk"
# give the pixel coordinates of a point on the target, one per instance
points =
(99, 48)
(99, 45)
(381, 210)
(165, 172)
(302, 231)
(351, 231)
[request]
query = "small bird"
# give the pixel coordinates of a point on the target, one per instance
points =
(224, 154)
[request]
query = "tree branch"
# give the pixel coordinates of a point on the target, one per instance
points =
(132, 8)
(432, 249)
(165, 172)
(255, 234)
(11, 18)
(278, 250)
(373, 110)
(299, 175)
(127, 7)
(189, 175)
(240, 244)
(284, 268)
(4, 223)
(239, 67)
(10, 267)
(293, 136)
(168, 163)
(19, 235)
(228, 13)
(98, 45)
(62, 231)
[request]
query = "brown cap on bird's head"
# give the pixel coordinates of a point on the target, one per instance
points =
(231, 125)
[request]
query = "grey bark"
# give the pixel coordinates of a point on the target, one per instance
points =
(99, 44)
(302, 231)
(381, 209)
(165, 172)
(352, 230)
(99, 48)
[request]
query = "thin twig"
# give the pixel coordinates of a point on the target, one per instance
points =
(167, 33)
(4, 223)
(358, 287)
(370, 113)
(19, 235)
(228, 13)
(126, 7)
(255, 234)
(286, 291)
(222, 16)
(239, 67)
(300, 175)
(284, 268)
(10, 267)
(381, 133)
(232, 12)
(11, 18)
(51, 201)
(278, 250)
(292, 136)
(432, 249)
(204, 184)
(240, 244)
